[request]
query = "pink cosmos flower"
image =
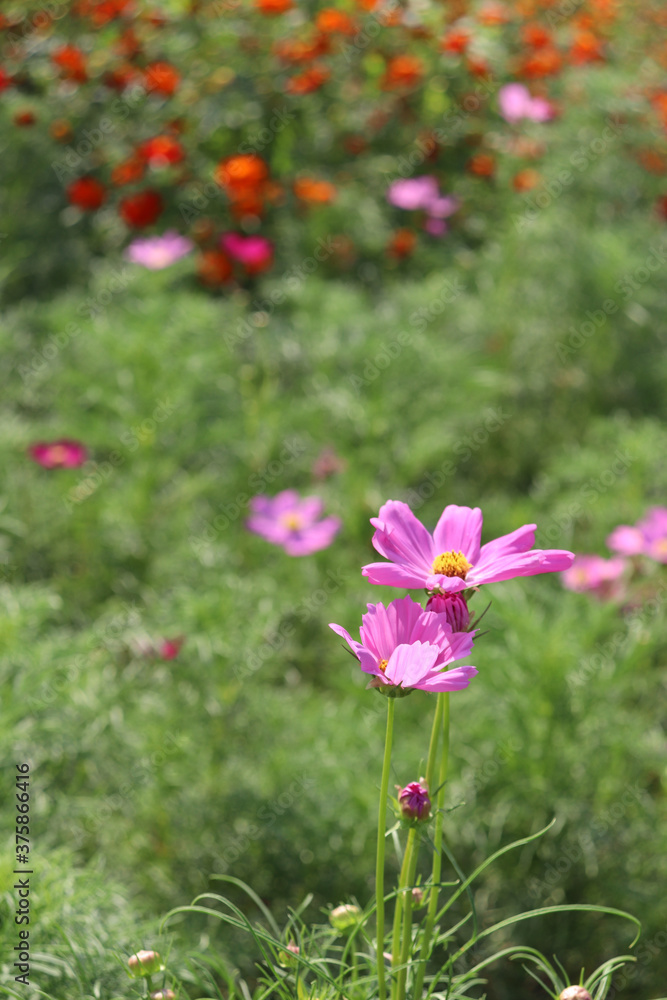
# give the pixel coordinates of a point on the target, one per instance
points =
(254, 252)
(63, 454)
(405, 647)
(597, 575)
(414, 801)
(453, 607)
(451, 559)
(170, 648)
(423, 193)
(292, 522)
(648, 537)
(158, 252)
(516, 103)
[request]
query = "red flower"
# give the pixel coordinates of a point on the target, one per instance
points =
(402, 72)
(25, 118)
(308, 81)
(87, 193)
(214, 268)
(161, 151)
(71, 63)
(128, 172)
(162, 78)
(141, 209)
(272, 8)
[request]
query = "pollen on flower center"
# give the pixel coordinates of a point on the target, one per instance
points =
(292, 521)
(383, 665)
(451, 564)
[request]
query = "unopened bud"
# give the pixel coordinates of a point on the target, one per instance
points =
(575, 993)
(344, 917)
(417, 896)
(453, 607)
(145, 963)
(414, 801)
(286, 958)
(163, 995)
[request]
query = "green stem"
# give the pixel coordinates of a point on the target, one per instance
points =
(379, 865)
(403, 880)
(443, 700)
(412, 851)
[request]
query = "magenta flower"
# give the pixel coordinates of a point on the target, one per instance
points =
(405, 647)
(170, 648)
(647, 538)
(254, 252)
(157, 252)
(596, 575)
(451, 559)
(516, 102)
(414, 801)
(63, 454)
(292, 522)
(423, 193)
(453, 607)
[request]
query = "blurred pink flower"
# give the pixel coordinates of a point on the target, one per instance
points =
(63, 454)
(254, 252)
(516, 103)
(602, 577)
(451, 559)
(157, 252)
(648, 537)
(414, 801)
(405, 647)
(423, 193)
(292, 522)
(170, 648)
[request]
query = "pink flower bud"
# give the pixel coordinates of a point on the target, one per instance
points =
(414, 801)
(417, 896)
(145, 963)
(345, 917)
(286, 958)
(163, 995)
(575, 993)
(453, 607)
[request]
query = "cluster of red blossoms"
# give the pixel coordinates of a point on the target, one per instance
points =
(389, 76)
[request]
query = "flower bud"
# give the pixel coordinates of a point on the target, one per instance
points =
(575, 993)
(163, 995)
(414, 801)
(344, 917)
(145, 963)
(417, 896)
(453, 607)
(286, 958)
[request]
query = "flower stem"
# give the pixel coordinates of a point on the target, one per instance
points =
(443, 716)
(379, 865)
(411, 852)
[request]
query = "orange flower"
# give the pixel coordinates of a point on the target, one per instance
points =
(127, 45)
(162, 78)
(161, 151)
(542, 62)
(87, 193)
(247, 170)
(402, 72)
(331, 21)
(314, 191)
(493, 13)
(214, 268)
(402, 243)
(482, 165)
(536, 35)
(71, 63)
(478, 67)
(526, 180)
(272, 8)
(586, 48)
(127, 172)
(25, 118)
(652, 161)
(295, 51)
(61, 130)
(308, 81)
(456, 41)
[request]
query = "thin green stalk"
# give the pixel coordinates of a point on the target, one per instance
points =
(413, 850)
(379, 865)
(403, 879)
(437, 853)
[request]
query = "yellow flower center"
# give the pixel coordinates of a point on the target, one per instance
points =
(292, 521)
(451, 564)
(383, 665)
